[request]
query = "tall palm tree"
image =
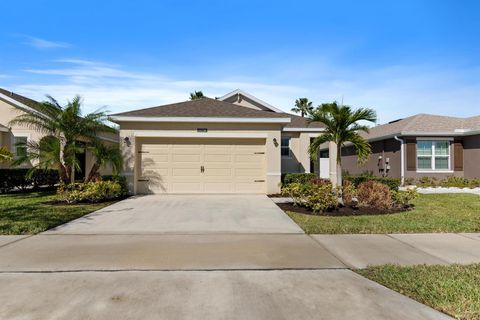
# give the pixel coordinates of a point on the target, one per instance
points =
(342, 126)
(303, 106)
(104, 155)
(196, 95)
(68, 126)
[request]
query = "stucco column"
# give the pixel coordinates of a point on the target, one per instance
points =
(332, 163)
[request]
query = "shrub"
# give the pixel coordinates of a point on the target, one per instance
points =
(392, 183)
(318, 197)
(122, 180)
(427, 182)
(409, 181)
(298, 178)
(20, 179)
(374, 194)
(452, 181)
(90, 191)
(403, 199)
(349, 194)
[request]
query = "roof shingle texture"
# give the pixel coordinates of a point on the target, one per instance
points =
(24, 100)
(425, 123)
(204, 107)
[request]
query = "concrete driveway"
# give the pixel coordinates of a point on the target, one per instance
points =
(185, 214)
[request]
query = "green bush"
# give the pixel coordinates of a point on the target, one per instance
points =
(20, 179)
(403, 199)
(318, 197)
(448, 182)
(98, 191)
(374, 194)
(122, 180)
(392, 183)
(298, 178)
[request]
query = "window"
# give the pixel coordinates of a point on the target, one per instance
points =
(285, 147)
(433, 155)
(20, 146)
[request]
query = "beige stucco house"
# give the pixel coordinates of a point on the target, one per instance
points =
(11, 105)
(233, 144)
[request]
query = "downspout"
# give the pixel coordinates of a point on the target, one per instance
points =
(402, 160)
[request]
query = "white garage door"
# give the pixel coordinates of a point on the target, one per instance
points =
(201, 166)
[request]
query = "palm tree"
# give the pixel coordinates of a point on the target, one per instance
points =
(341, 126)
(5, 154)
(104, 155)
(196, 95)
(303, 106)
(67, 125)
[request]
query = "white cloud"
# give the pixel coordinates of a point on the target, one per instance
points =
(395, 92)
(40, 43)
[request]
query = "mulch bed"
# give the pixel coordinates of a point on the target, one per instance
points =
(342, 211)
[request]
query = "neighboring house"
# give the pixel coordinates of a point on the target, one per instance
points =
(233, 144)
(11, 105)
(421, 145)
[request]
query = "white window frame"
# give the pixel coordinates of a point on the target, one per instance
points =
(13, 146)
(433, 155)
(284, 147)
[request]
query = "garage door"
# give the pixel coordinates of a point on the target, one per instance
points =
(201, 166)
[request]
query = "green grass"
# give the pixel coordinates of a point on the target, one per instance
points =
(454, 289)
(432, 213)
(30, 213)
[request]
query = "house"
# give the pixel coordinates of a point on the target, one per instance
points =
(233, 144)
(421, 145)
(11, 105)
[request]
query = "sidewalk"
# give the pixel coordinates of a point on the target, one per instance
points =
(358, 251)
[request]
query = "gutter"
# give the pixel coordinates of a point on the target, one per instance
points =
(402, 159)
(114, 118)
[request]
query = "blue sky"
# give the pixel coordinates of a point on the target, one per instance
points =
(398, 57)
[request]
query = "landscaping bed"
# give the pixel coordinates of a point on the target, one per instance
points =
(452, 289)
(31, 213)
(431, 213)
(342, 210)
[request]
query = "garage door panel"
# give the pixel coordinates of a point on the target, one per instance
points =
(229, 166)
(186, 158)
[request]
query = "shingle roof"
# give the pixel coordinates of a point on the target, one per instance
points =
(24, 100)
(3, 128)
(300, 122)
(425, 124)
(204, 107)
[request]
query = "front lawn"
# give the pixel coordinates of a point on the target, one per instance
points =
(30, 213)
(432, 213)
(454, 289)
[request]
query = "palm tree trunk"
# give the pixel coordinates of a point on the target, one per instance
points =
(92, 173)
(332, 151)
(339, 166)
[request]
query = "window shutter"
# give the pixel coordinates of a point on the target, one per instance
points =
(458, 155)
(411, 154)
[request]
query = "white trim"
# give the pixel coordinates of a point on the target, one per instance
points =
(200, 119)
(435, 139)
(435, 171)
(304, 129)
(187, 134)
(18, 104)
(4, 129)
(263, 103)
(273, 173)
(314, 135)
(109, 139)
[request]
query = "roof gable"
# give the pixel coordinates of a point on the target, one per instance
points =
(18, 101)
(240, 93)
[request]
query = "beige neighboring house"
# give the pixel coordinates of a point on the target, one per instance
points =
(233, 144)
(11, 105)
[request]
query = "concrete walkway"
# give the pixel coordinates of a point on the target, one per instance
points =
(361, 250)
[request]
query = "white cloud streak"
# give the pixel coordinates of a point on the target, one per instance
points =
(394, 92)
(43, 44)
